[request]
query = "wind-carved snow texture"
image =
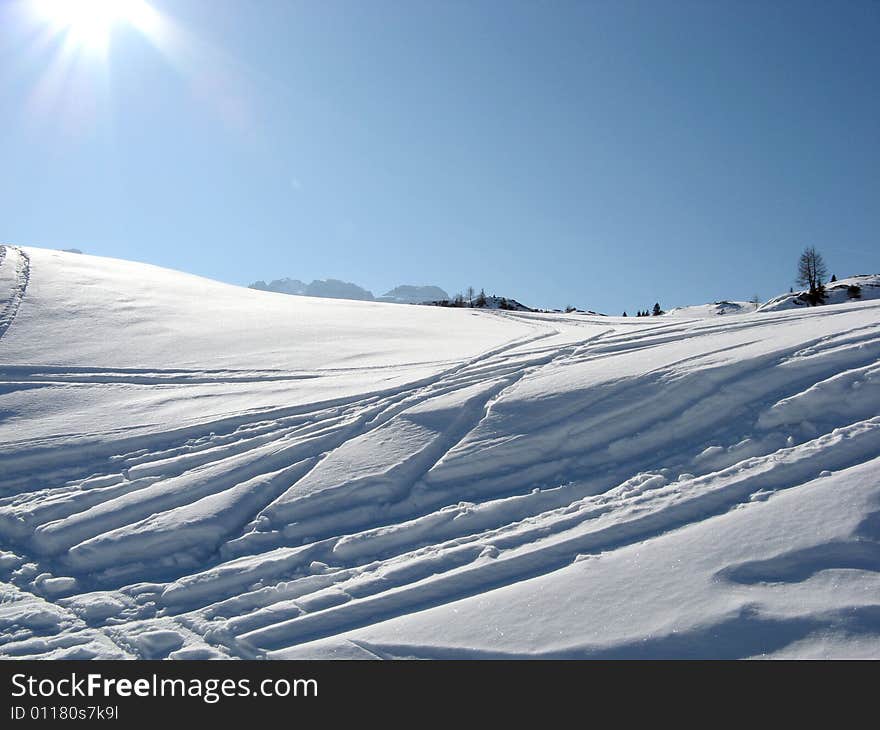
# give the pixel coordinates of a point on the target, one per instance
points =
(493, 484)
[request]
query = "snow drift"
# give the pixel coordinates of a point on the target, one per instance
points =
(195, 470)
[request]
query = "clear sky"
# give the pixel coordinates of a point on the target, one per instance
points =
(601, 154)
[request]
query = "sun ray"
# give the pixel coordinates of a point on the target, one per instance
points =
(88, 24)
(78, 35)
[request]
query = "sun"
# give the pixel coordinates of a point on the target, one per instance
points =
(88, 24)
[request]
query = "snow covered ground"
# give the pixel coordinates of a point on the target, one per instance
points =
(195, 470)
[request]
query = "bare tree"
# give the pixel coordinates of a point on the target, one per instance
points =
(811, 270)
(755, 300)
(470, 296)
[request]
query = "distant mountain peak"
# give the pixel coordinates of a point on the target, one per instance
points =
(410, 294)
(338, 289)
(282, 286)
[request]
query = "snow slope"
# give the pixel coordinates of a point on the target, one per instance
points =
(193, 470)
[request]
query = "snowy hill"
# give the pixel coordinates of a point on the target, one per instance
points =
(482, 302)
(506, 303)
(855, 288)
(195, 470)
(714, 309)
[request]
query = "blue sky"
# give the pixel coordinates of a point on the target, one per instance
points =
(602, 154)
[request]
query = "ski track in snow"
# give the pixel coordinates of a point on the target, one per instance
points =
(263, 530)
(18, 261)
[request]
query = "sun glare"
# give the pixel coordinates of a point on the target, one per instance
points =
(72, 39)
(89, 24)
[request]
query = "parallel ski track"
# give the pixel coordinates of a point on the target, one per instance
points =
(330, 575)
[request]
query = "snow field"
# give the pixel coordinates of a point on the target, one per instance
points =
(194, 470)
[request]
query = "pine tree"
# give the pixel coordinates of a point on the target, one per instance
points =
(657, 311)
(811, 273)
